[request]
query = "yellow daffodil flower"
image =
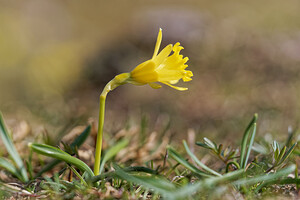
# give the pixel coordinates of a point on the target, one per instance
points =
(162, 67)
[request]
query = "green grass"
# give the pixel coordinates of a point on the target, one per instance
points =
(246, 170)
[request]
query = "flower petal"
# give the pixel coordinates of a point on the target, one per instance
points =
(158, 42)
(175, 87)
(144, 73)
(165, 67)
(161, 57)
(155, 85)
(187, 76)
(169, 75)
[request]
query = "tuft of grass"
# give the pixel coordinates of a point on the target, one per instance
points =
(254, 173)
(17, 168)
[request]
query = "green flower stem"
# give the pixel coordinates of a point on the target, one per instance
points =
(117, 81)
(100, 130)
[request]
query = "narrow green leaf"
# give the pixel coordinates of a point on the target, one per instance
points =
(12, 150)
(245, 139)
(278, 178)
(202, 145)
(10, 168)
(157, 183)
(232, 163)
(220, 149)
(61, 155)
(190, 189)
(276, 154)
(288, 153)
(209, 143)
(81, 138)
(127, 169)
(75, 144)
(267, 177)
(281, 154)
(275, 145)
(112, 152)
(198, 161)
(78, 175)
(250, 146)
(231, 154)
(185, 163)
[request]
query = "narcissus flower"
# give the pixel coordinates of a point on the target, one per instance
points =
(162, 67)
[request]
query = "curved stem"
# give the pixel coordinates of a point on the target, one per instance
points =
(99, 135)
(100, 127)
(117, 81)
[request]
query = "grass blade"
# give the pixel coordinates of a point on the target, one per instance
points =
(81, 138)
(61, 155)
(153, 182)
(112, 152)
(12, 150)
(78, 175)
(250, 145)
(10, 168)
(75, 144)
(245, 139)
(127, 169)
(185, 163)
(267, 177)
(198, 161)
(288, 153)
(190, 189)
(281, 154)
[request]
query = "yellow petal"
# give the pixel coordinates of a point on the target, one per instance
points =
(173, 82)
(187, 76)
(161, 57)
(144, 73)
(147, 66)
(158, 42)
(169, 75)
(175, 87)
(155, 85)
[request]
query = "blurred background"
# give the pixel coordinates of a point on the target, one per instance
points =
(56, 57)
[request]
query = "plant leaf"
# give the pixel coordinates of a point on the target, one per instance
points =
(127, 169)
(210, 144)
(79, 140)
(112, 152)
(267, 177)
(10, 168)
(185, 163)
(282, 152)
(288, 153)
(156, 183)
(198, 161)
(12, 150)
(190, 189)
(245, 139)
(250, 146)
(61, 155)
(202, 145)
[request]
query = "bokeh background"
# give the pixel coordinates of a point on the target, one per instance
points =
(56, 56)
